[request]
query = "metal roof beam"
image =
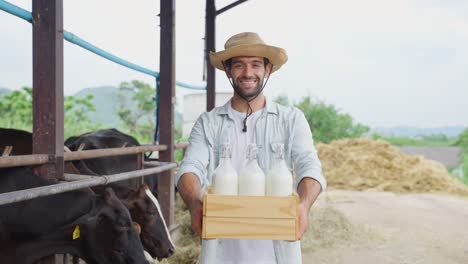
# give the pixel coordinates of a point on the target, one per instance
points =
(226, 8)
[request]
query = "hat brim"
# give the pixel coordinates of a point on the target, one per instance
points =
(277, 56)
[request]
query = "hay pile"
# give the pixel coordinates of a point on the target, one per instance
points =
(365, 164)
(187, 243)
(329, 227)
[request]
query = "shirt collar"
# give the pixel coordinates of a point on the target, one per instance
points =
(271, 108)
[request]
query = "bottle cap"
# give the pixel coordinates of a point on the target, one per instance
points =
(226, 151)
(278, 149)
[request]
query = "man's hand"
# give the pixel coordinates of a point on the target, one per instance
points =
(303, 214)
(308, 190)
(189, 188)
(196, 214)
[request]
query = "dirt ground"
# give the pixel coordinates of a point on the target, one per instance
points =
(396, 228)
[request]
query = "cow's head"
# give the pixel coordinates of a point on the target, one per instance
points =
(110, 235)
(145, 210)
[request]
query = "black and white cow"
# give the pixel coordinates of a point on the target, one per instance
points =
(100, 139)
(97, 228)
(142, 204)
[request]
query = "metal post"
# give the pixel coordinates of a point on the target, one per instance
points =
(166, 106)
(210, 31)
(48, 84)
(48, 88)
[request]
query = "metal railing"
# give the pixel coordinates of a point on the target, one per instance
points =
(27, 194)
(38, 159)
(82, 181)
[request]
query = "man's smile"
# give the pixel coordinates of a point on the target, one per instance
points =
(248, 83)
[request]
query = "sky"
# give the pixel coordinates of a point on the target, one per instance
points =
(384, 62)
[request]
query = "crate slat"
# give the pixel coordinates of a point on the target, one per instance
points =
(251, 206)
(250, 228)
(250, 217)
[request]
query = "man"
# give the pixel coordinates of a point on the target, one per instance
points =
(249, 118)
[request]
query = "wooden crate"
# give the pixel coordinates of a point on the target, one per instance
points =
(250, 217)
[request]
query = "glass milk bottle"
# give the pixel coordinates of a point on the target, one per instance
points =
(225, 176)
(251, 177)
(279, 178)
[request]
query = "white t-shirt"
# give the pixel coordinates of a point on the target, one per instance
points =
(245, 251)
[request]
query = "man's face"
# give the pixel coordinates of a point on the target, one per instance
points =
(247, 75)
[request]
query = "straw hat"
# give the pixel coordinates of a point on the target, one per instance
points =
(248, 44)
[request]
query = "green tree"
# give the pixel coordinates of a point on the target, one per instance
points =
(462, 140)
(325, 121)
(139, 120)
(282, 100)
(16, 112)
(16, 109)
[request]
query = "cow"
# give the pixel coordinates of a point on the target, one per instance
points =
(146, 212)
(107, 138)
(97, 228)
(21, 143)
(143, 206)
(104, 138)
(19, 139)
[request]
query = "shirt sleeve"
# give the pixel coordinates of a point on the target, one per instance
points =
(304, 154)
(196, 155)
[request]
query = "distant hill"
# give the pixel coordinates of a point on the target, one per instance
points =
(4, 90)
(408, 131)
(106, 101)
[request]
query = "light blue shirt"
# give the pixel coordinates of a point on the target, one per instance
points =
(277, 124)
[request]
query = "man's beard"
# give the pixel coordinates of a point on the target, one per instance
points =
(248, 95)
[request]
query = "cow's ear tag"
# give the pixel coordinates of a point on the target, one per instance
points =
(76, 232)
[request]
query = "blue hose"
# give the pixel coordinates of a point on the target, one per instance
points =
(72, 38)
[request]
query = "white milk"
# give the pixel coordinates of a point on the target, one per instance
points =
(225, 176)
(251, 177)
(279, 178)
